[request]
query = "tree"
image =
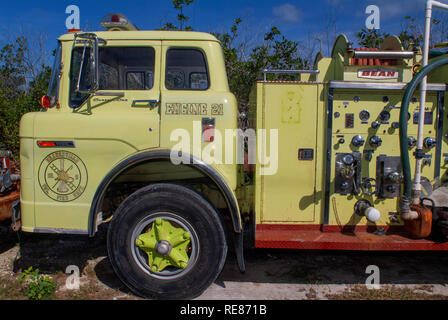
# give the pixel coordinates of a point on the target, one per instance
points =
(244, 68)
(275, 52)
(371, 38)
(19, 92)
(181, 18)
(411, 33)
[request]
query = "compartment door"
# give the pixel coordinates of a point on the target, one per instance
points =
(289, 194)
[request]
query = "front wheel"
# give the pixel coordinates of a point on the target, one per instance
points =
(166, 241)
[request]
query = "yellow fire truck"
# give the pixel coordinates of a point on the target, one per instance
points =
(140, 131)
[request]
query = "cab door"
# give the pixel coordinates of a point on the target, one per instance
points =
(126, 106)
(187, 91)
(100, 130)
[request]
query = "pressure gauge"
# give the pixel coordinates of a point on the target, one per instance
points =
(364, 115)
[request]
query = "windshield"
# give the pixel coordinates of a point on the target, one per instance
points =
(53, 88)
(79, 55)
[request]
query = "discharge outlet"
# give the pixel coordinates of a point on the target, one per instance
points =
(364, 208)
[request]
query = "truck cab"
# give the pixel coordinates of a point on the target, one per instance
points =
(147, 85)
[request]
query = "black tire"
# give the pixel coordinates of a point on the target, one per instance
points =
(186, 207)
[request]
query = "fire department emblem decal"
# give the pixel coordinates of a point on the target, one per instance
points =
(62, 176)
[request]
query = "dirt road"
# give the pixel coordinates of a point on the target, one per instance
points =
(271, 274)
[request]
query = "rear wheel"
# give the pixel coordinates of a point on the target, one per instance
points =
(167, 242)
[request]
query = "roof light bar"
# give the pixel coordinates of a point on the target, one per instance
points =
(117, 22)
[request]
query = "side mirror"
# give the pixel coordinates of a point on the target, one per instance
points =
(88, 77)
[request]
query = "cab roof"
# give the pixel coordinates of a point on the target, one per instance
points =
(146, 35)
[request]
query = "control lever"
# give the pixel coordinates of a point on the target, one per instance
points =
(355, 186)
(367, 186)
(350, 171)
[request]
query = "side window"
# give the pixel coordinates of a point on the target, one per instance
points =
(120, 68)
(108, 77)
(135, 80)
(123, 68)
(186, 69)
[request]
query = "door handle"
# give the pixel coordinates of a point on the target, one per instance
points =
(152, 103)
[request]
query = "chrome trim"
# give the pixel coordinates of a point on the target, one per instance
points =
(337, 84)
(152, 102)
(109, 94)
(276, 71)
(384, 54)
(60, 231)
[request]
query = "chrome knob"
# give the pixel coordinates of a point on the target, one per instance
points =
(412, 142)
(375, 124)
(375, 141)
(394, 177)
(358, 141)
(429, 142)
(348, 159)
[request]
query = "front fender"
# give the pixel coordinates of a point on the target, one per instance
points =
(136, 159)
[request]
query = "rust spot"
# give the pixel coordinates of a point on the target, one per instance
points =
(420, 227)
(6, 204)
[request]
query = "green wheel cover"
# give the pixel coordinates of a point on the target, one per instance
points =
(178, 238)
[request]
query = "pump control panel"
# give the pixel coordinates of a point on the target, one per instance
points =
(365, 146)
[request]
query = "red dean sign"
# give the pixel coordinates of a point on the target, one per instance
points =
(378, 74)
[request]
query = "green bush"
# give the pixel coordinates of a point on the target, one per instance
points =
(37, 287)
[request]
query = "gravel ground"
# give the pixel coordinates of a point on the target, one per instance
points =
(271, 274)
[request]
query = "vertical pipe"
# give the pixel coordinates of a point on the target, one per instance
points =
(416, 187)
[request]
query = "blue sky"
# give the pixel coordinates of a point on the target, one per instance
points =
(298, 20)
